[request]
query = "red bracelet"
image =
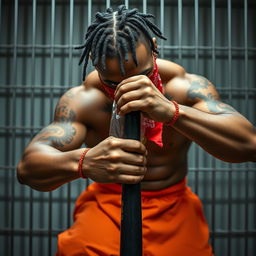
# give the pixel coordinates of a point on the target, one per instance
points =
(176, 114)
(80, 164)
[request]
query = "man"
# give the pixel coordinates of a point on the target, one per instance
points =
(177, 108)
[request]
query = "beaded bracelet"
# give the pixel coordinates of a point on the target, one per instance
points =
(80, 164)
(176, 114)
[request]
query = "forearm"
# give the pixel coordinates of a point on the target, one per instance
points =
(45, 168)
(228, 137)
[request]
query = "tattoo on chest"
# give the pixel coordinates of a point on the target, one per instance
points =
(199, 89)
(57, 135)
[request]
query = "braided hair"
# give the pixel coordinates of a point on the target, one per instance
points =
(115, 34)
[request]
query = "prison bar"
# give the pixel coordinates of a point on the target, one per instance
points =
(13, 233)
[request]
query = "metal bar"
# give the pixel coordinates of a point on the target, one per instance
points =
(180, 30)
(63, 200)
(22, 210)
(13, 121)
(0, 16)
(127, 3)
(107, 3)
(89, 12)
(162, 25)
(246, 81)
(167, 47)
(197, 152)
(60, 87)
(70, 70)
(230, 99)
(144, 6)
(43, 233)
(89, 22)
(7, 160)
(32, 96)
(213, 70)
(51, 111)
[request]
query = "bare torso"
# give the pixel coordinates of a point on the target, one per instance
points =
(165, 166)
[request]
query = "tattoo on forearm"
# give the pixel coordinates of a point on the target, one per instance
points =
(57, 135)
(199, 90)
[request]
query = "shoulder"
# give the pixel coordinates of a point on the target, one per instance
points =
(169, 70)
(190, 89)
(77, 103)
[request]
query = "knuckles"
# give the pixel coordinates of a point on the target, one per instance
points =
(114, 156)
(113, 142)
(112, 168)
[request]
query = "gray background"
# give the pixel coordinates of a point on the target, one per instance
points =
(213, 38)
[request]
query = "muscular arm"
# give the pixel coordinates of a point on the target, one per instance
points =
(214, 125)
(51, 158)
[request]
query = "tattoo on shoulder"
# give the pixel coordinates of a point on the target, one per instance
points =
(69, 94)
(63, 113)
(199, 90)
(57, 135)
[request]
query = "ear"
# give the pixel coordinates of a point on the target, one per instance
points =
(155, 43)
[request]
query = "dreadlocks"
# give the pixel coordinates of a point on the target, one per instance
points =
(116, 34)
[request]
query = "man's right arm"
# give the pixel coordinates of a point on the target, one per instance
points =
(51, 158)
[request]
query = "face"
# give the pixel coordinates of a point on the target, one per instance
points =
(112, 75)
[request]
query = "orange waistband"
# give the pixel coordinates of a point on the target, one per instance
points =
(117, 188)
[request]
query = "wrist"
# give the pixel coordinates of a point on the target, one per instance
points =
(176, 114)
(80, 169)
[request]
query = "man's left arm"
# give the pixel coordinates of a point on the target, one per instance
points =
(217, 127)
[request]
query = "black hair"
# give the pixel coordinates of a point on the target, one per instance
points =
(116, 34)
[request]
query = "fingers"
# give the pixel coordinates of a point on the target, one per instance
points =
(127, 145)
(130, 84)
(119, 168)
(123, 88)
(127, 179)
(126, 98)
(136, 105)
(130, 80)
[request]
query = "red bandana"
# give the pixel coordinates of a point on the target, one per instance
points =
(151, 129)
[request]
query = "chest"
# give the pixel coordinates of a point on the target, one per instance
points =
(98, 130)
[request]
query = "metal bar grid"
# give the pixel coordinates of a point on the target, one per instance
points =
(13, 130)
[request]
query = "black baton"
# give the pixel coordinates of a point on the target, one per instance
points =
(131, 216)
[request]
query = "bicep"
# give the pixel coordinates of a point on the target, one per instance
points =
(204, 96)
(65, 132)
(63, 136)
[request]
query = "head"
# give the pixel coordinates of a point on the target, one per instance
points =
(120, 43)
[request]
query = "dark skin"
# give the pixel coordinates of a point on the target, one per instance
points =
(83, 116)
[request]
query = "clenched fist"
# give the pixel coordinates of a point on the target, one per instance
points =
(116, 160)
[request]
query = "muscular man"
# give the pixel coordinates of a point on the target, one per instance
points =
(127, 72)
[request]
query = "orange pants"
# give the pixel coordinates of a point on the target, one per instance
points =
(172, 219)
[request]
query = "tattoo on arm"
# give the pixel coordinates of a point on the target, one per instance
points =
(199, 90)
(63, 113)
(57, 134)
(61, 132)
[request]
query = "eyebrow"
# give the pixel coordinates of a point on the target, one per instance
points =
(146, 71)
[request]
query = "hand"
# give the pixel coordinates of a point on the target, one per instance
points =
(116, 160)
(139, 93)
